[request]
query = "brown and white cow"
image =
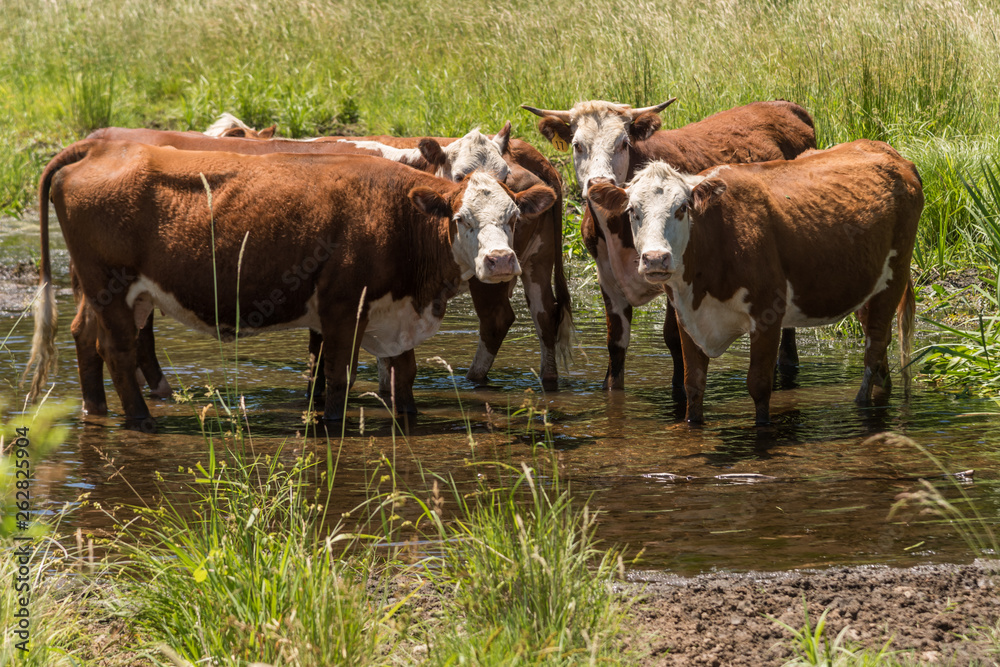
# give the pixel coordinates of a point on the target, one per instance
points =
(538, 239)
(610, 142)
(750, 248)
(381, 246)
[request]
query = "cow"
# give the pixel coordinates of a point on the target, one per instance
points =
(537, 241)
(538, 237)
(380, 247)
(610, 142)
(750, 248)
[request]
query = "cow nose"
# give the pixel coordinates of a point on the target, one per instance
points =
(501, 262)
(656, 261)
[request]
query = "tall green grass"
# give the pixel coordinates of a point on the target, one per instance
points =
(921, 74)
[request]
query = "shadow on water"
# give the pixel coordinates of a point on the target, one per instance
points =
(824, 500)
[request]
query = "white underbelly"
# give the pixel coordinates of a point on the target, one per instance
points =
(796, 318)
(715, 324)
(395, 326)
(144, 291)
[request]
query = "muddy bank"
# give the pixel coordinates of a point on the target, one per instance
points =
(932, 612)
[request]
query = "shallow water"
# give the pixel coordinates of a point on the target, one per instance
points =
(827, 503)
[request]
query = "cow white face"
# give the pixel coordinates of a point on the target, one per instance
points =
(475, 151)
(658, 203)
(600, 143)
(485, 236)
(600, 134)
(483, 239)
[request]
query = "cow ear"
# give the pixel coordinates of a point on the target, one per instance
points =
(235, 132)
(431, 151)
(644, 126)
(609, 197)
(536, 199)
(502, 138)
(430, 202)
(707, 193)
(267, 132)
(552, 127)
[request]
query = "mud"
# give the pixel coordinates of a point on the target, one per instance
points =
(933, 613)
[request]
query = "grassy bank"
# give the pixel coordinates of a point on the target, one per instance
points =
(921, 74)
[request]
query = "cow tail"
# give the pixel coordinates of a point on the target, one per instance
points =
(564, 334)
(43, 347)
(905, 315)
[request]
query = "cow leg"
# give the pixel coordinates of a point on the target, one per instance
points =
(788, 353)
(89, 362)
(695, 377)
(117, 340)
(876, 319)
(760, 377)
(315, 372)
(672, 337)
(149, 364)
(546, 313)
(400, 372)
(492, 304)
(340, 360)
(619, 320)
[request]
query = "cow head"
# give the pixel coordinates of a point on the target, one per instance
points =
(482, 213)
(473, 151)
(600, 133)
(659, 202)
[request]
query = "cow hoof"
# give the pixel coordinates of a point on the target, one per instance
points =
(476, 379)
(550, 384)
(142, 424)
(95, 409)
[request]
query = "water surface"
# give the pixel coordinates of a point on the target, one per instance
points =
(652, 476)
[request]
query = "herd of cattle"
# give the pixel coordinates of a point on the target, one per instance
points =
(738, 219)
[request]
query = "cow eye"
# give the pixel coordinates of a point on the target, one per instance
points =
(460, 219)
(682, 211)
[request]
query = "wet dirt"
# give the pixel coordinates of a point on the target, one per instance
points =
(934, 614)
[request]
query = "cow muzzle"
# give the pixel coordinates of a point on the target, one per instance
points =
(500, 266)
(655, 265)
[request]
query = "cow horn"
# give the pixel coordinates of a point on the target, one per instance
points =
(635, 113)
(561, 115)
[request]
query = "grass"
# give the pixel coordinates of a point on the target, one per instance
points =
(920, 75)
